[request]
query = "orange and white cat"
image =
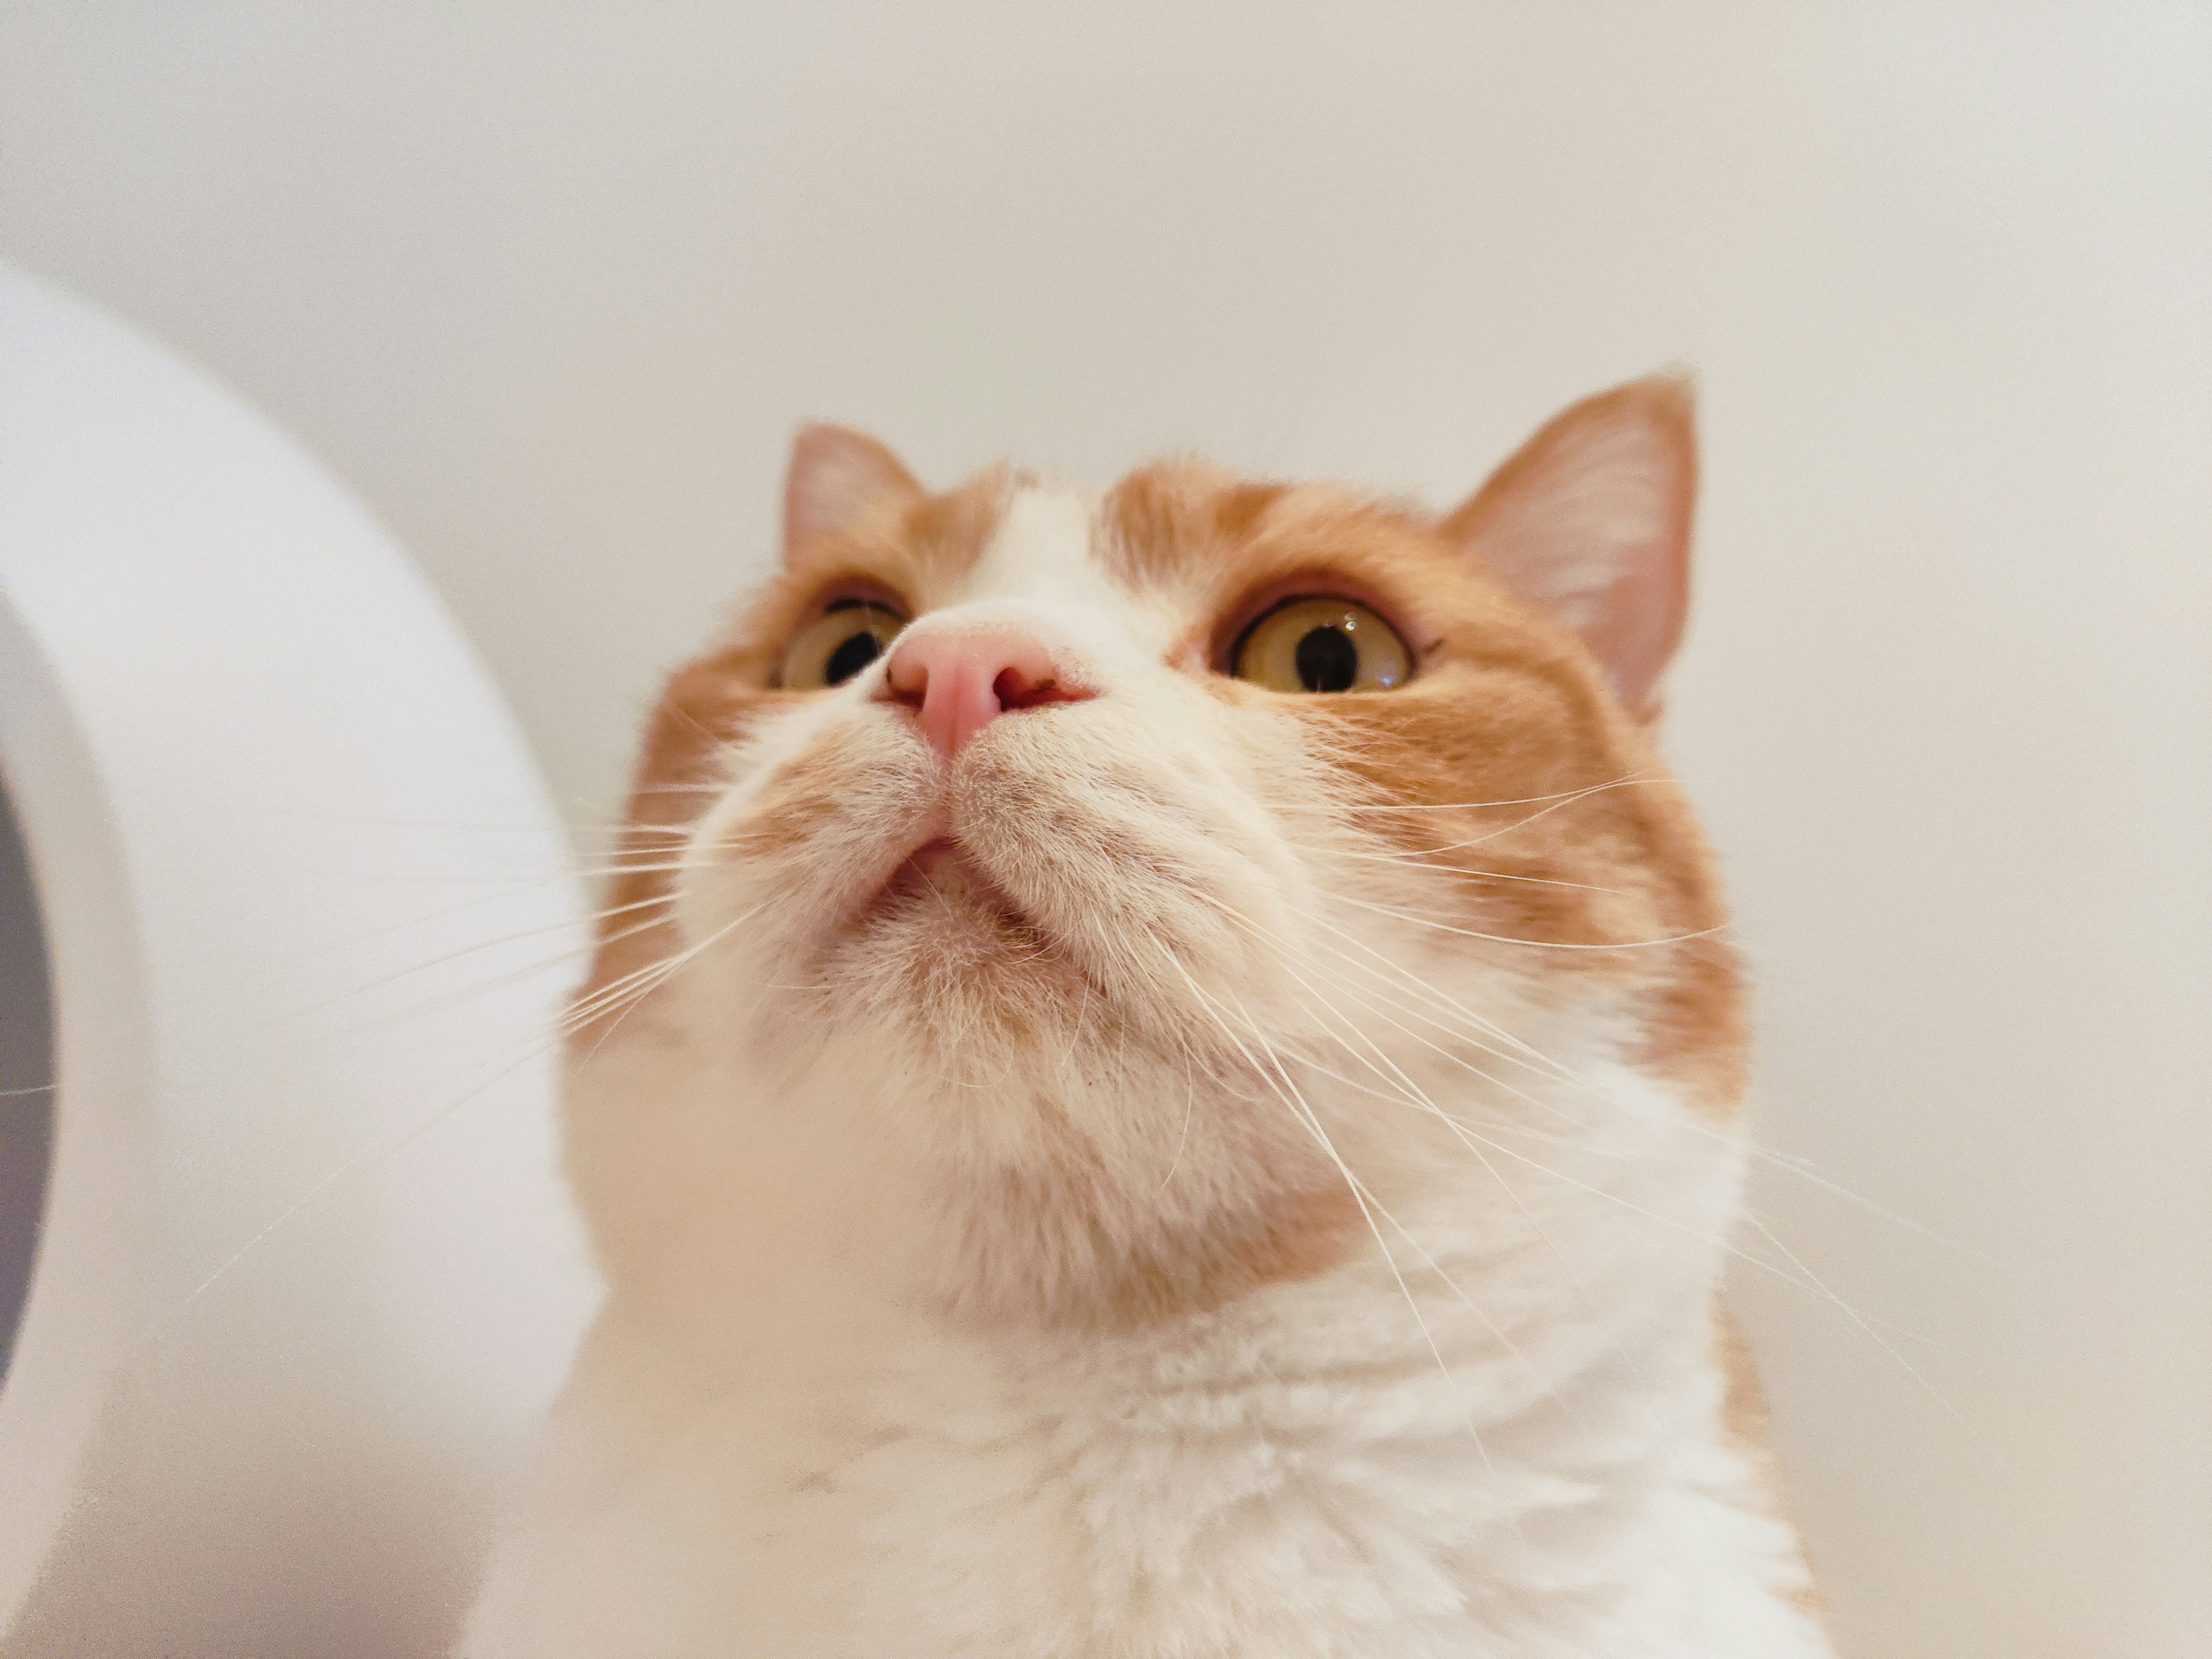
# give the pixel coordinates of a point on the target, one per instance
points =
(1162, 1082)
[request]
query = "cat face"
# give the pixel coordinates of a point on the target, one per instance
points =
(1123, 883)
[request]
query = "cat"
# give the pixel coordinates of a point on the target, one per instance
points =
(1162, 1080)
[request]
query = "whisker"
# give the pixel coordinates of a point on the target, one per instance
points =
(374, 1156)
(1405, 980)
(1866, 1329)
(1541, 944)
(1418, 1097)
(1189, 1105)
(661, 974)
(1395, 974)
(578, 926)
(1561, 796)
(1305, 1113)
(1411, 861)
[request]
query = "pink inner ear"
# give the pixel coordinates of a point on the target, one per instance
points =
(838, 477)
(1590, 520)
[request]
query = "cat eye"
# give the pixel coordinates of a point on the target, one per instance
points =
(1322, 644)
(839, 643)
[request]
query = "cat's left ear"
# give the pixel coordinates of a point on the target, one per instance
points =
(837, 477)
(1590, 521)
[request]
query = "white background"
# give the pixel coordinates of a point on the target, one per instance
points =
(549, 284)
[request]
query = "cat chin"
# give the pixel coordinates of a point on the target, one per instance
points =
(944, 958)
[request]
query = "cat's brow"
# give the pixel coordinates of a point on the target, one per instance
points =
(923, 555)
(1168, 522)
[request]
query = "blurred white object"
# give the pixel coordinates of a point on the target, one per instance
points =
(306, 1278)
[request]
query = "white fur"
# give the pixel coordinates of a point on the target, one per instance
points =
(813, 1418)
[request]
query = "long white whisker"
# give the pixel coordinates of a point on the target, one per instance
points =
(1415, 861)
(1868, 1331)
(1539, 944)
(1289, 1093)
(1561, 798)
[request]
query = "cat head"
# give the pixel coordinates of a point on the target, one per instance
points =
(1099, 905)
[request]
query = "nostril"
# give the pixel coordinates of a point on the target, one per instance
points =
(906, 676)
(1016, 689)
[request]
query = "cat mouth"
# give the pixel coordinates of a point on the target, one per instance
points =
(941, 870)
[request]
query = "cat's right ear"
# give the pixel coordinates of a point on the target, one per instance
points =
(837, 477)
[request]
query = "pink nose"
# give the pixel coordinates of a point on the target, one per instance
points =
(958, 680)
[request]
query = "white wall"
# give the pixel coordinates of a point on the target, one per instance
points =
(551, 284)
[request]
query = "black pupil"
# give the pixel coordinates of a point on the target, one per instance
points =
(1328, 659)
(854, 653)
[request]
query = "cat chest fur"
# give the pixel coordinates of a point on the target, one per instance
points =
(1313, 1474)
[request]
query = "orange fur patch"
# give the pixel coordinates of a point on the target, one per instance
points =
(1506, 719)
